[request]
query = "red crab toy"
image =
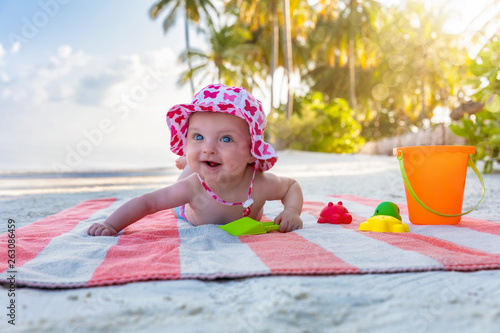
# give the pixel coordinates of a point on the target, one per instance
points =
(335, 214)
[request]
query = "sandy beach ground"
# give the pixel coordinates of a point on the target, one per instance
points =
(404, 302)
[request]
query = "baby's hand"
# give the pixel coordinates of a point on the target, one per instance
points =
(288, 221)
(101, 229)
(181, 163)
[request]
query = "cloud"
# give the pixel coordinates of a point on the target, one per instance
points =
(61, 64)
(45, 80)
(2, 54)
(96, 89)
(4, 77)
(124, 75)
(15, 47)
(87, 80)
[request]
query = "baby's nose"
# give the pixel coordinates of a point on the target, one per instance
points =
(208, 149)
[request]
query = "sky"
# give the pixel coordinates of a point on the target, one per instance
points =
(85, 85)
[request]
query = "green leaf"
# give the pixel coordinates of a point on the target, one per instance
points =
(488, 166)
(495, 139)
(457, 130)
(493, 104)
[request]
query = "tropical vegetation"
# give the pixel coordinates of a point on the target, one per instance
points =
(483, 128)
(353, 70)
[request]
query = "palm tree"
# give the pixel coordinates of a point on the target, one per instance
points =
(342, 55)
(420, 68)
(256, 15)
(357, 19)
(193, 11)
(263, 18)
(231, 53)
(433, 60)
(288, 56)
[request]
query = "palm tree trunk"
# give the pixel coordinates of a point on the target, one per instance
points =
(274, 52)
(352, 76)
(188, 49)
(288, 56)
(423, 74)
(350, 58)
(422, 102)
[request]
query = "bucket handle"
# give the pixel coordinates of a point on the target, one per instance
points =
(414, 195)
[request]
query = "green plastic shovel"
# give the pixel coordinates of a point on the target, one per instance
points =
(248, 226)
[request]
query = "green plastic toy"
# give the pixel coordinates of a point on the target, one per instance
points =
(388, 208)
(248, 226)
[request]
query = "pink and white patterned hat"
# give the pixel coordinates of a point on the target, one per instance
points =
(233, 100)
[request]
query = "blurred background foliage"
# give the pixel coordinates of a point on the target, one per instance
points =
(482, 129)
(316, 125)
(362, 70)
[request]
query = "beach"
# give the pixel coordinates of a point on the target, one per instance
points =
(399, 302)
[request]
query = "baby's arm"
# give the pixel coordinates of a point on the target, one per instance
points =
(289, 192)
(135, 209)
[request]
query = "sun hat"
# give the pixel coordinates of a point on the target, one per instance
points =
(233, 100)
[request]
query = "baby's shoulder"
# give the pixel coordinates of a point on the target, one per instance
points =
(271, 186)
(190, 184)
(267, 179)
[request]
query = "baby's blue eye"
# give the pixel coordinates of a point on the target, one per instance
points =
(226, 139)
(198, 137)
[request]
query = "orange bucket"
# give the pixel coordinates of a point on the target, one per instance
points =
(434, 178)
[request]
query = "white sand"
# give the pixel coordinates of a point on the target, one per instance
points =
(406, 302)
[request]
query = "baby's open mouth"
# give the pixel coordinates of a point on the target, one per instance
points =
(212, 164)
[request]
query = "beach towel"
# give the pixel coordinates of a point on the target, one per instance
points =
(56, 252)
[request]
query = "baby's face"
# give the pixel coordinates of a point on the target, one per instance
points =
(218, 146)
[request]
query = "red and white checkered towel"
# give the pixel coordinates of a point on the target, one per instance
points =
(56, 252)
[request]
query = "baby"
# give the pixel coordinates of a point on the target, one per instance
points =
(224, 156)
